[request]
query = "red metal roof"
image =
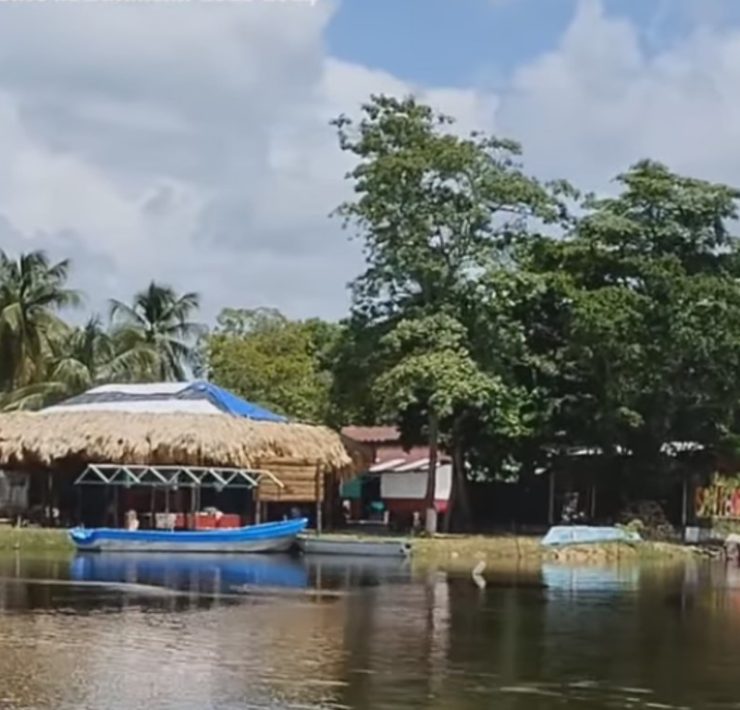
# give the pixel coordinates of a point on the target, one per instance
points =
(372, 434)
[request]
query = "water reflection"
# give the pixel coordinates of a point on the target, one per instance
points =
(199, 573)
(281, 632)
(566, 579)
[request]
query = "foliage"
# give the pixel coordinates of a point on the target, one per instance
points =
(437, 212)
(516, 325)
(649, 323)
(156, 332)
(278, 363)
(433, 208)
(32, 291)
(44, 359)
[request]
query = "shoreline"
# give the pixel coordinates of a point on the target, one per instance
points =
(441, 551)
(14, 539)
(466, 551)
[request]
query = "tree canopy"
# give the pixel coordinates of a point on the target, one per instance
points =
(499, 317)
(278, 363)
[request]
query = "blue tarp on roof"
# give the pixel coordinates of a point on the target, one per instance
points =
(231, 404)
(166, 397)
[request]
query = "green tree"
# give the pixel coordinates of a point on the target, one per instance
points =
(32, 292)
(156, 330)
(278, 363)
(435, 211)
(89, 355)
(433, 208)
(639, 345)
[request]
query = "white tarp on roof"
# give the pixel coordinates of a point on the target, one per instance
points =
(149, 388)
(165, 406)
(196, 397)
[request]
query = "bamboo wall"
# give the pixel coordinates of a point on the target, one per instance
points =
(300, 484)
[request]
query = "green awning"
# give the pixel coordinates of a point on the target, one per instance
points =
(352, 490)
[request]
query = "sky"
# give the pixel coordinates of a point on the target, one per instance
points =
(189, 142)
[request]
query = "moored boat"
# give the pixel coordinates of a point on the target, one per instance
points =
(352, 546)
(266, 537)
(586, 534)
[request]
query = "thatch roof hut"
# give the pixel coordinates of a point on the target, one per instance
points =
(48, 440)
(180, 424)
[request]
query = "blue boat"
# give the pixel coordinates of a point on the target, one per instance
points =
(586, 534)
(267, 537)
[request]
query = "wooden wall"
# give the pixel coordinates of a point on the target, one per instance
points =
(300, 484)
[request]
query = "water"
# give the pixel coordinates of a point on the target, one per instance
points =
(126, 632)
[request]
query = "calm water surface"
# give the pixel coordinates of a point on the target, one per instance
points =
(125, 632)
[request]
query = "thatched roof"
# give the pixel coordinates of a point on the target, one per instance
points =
(55, 439)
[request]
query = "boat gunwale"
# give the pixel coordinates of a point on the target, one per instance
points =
(264, 531)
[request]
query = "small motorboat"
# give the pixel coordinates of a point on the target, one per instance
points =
(586, 534)
(352, 546)
(266, 537)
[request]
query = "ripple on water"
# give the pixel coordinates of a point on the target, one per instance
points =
(404, 643)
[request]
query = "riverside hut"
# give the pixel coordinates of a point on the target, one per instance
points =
(184, 442)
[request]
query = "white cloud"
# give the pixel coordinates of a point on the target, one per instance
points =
(190, 143)
(600, 101)
(187, 143)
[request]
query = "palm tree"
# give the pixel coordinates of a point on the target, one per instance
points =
(155, 332)
(89, 355)
(32, 291)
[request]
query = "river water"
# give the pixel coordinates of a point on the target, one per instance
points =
(127, 632)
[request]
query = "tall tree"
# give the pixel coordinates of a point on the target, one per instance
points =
(643, 333)
(32, 292)
(157, 327)
(435, 211)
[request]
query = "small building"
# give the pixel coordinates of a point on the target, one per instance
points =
(397, 477)
(171, 446)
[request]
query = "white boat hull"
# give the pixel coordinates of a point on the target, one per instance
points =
(353, 548)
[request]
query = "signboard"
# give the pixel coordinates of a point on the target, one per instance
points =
(720, 500)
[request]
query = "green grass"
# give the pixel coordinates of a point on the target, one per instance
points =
(462, 551)
(34, 540)
(446, 551)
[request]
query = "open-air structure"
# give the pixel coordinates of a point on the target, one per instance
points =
(169, 447)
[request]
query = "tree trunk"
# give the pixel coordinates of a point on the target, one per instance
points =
(452, 502)
(431, 512)
(461, 486)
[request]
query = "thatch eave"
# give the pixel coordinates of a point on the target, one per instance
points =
(52, 440)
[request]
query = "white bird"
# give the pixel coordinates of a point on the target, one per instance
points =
(478, 575)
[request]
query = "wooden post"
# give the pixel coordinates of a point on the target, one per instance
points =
(551, 499)
(257, 505)
(79, 504)
(685, 501)
(47, 507)
(331, 502)
(319, 521)
(593, 501)
(431, 512)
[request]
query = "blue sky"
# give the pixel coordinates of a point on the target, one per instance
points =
(464, 42)
(453, 42)
(190, 142)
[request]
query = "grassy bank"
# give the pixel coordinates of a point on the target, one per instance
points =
(447, 551)
(462, 551)
(34, 540)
